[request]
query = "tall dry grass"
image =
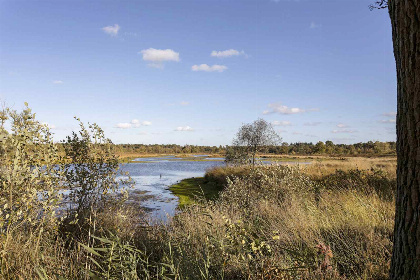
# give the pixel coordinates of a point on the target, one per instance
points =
(270, 222)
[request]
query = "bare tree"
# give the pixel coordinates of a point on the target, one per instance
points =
(250, 139)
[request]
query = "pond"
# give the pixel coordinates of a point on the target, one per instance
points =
(153, 176)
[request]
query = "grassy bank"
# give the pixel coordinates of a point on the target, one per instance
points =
(194, 190)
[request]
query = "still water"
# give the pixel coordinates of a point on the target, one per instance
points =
(153, 176)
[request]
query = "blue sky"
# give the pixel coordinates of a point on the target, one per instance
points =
(191, 72)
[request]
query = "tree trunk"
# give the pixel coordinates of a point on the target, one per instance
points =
(405, 22)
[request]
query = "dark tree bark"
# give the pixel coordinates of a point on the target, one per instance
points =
(405, 23)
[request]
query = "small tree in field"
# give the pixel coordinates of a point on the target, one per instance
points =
(249, 140)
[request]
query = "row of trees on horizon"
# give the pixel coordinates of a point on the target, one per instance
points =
(301, 148)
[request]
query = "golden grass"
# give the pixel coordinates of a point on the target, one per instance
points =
(292, 214)
(268, 223)
(328, 166)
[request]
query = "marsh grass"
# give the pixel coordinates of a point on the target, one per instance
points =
(328, 220)
(268, 223)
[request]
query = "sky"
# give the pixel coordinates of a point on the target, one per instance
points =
(192, 72)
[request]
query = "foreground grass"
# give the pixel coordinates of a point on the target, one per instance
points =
(269, 222)
(276, 222)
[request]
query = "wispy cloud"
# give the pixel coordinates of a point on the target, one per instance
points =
(314, 25)
(227, 53)
(387, 121)
(184, 103)
(344, 131)
(312, 123)
(57, 82)
(281, 123)
(389, 114)
(311, 135)
(342, 125)
(207, 68)
(184, 128)
(111, 29)
(157, 57)
(133, 124)
(285, 110)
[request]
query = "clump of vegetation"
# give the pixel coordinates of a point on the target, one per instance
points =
(42, 229)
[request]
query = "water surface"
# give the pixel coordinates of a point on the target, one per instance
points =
(153, 176)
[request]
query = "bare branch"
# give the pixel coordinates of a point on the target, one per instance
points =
(381, 4)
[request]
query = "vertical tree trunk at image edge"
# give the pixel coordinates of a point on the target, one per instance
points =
(405, 23)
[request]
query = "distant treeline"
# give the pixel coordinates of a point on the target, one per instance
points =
(320, 148)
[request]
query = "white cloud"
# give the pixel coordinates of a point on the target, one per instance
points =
(314, 25)
(282, 109)
(344, 131)
(387, 121)
(184, 103)
(158, 57)
(281, 123)
(342, 125)
(227, 53)
(57, 82)
(133, 124)
(207, 68)
(297, 133)
(389, 114)
(111, 29)
(184, 128)
(123, 125)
